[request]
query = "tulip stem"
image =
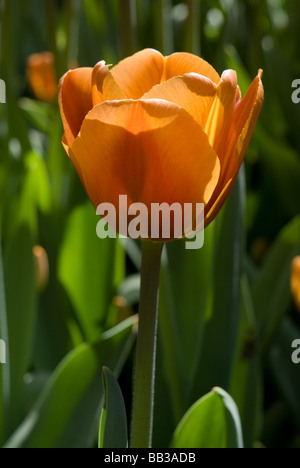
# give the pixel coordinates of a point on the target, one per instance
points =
(127, 14)
(192, 33)
(143, 396)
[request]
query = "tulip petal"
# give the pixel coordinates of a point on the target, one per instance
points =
(75, 101)
(182, 63)
(194, 93)
(104, 86)
(152, 151)
(244, 120)
(139, 73)
(242, 127)
(222, 111)
(217, 201)
(247, 114)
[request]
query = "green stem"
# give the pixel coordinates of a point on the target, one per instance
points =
(7, 63)
(192, 33)
(51, 19)
(163, 26)
(143, 397)
(127, 14)
(72, 32)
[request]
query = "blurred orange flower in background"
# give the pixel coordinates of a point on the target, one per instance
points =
(158, 129)
(295, 281)
(41, 265)
(42, 77)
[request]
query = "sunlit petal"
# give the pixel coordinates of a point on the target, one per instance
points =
(139, 73)
(182, 63)
(192, 92)
(104, 86)
(75, 100)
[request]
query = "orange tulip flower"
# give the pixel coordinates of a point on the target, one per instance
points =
(295, 281)
(42, 77)
(158, 129)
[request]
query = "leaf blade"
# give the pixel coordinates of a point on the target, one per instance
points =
(113, 425)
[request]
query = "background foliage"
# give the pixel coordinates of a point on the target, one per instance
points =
(226, 314)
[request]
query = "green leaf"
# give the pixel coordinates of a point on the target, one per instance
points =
(67, 413)
(271, 292)
(21, 295)
(35, 195)
(113, 424)
(217, 349)
(212, 422)
(187, 304)
(86, 270)
(246, 379)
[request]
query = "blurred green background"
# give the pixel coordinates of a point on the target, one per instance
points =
(227, 317)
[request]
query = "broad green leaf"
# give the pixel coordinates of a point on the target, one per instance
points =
(168, 396)
(212, 422)
(246, 379)
(20, 291)
(113, 425)
(271, 292)
(36, 186)
(86, 270)
(187, 304)
(217, 350)
(67, 413)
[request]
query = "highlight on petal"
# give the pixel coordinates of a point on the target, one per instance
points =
(139, 73)
(104, 86)
(193, 92)
(182, 63)
(75, 101)
(222, 110)
(150, 150)
(238, 95)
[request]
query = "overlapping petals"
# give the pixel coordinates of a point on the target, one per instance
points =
(159, 130)
(128, 129)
